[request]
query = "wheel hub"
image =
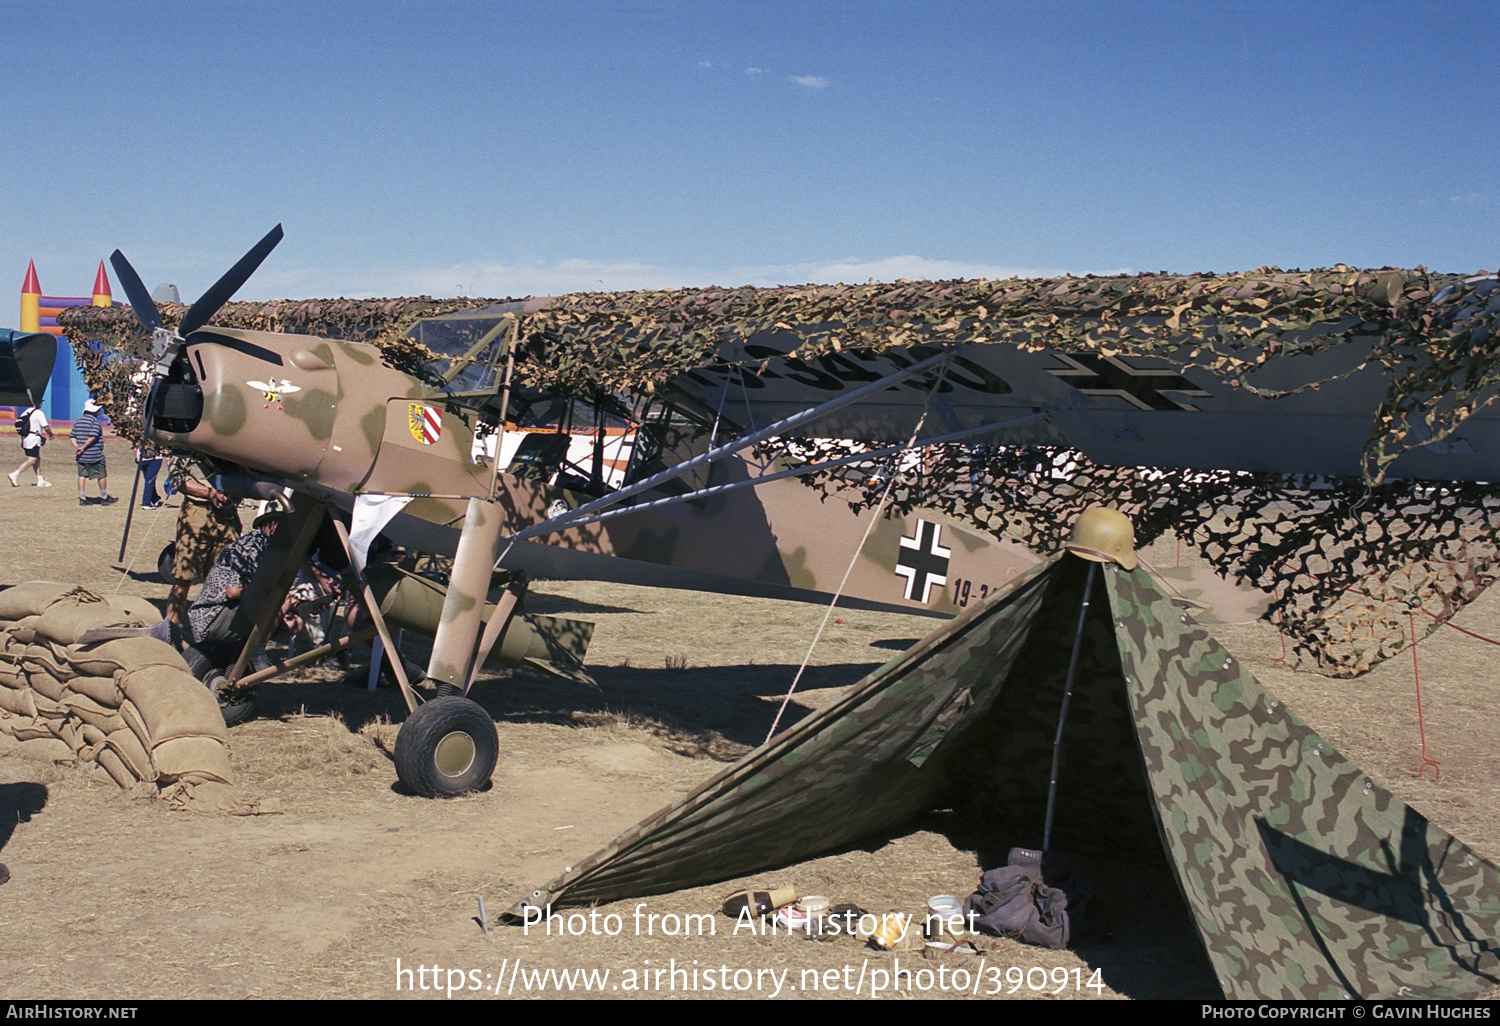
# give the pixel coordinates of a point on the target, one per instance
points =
(455, 754)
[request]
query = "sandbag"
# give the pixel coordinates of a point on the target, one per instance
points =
(39, 658)
(18, 702)
(128, 747)
(47, 749)
(68, 730)
(66, 620)
(135, 723)
(135, 605)
(173, 704)
(24, 633)
(192, 759)
(106, 658)
(30, 599)
(208, 796)
(117, 770)
(129, 706)
(46, 685)
(103, 690)
(47, 707)
(92, 713)
(25, 730)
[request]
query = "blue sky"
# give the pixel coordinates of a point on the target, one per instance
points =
(525, 148)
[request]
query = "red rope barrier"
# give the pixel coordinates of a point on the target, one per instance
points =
(1437, 770)
(1461, 630)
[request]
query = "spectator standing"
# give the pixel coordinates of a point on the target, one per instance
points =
(148, 457)
(88, 446)
(35, 433)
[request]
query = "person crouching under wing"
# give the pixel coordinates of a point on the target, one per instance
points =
(213, 644)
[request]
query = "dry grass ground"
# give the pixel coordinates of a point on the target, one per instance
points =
(115, 895)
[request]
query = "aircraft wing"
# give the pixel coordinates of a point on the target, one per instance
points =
(1118, 410)
(26, 361)
(1335, 372)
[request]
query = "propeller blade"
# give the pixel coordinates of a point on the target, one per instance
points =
(208, 304)
(135, 290)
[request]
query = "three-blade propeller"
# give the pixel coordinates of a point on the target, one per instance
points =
(168, 343)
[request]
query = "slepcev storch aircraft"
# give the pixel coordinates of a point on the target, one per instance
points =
(457, 461)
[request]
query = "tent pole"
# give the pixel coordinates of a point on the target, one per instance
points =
(1062, 715)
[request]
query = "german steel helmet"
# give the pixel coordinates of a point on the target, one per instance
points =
(1103, 535)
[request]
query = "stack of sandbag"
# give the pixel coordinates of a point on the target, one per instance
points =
(128, 706)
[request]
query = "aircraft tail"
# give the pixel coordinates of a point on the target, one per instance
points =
(26, 361)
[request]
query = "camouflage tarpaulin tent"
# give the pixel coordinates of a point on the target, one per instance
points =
(1303, 877)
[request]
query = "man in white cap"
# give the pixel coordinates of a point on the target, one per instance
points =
(88, 444)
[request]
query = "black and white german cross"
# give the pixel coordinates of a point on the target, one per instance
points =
(923, 562)
(1140, 387)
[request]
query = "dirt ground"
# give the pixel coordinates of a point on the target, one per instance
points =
(356, 889)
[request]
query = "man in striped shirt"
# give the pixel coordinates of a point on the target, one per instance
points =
(88, 444)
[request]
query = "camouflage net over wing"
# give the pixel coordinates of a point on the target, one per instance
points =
(1343, 560)
(1345, 564)
(110, 343)
(1433, 331)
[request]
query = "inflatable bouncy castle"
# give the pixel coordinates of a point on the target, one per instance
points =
(66, 392)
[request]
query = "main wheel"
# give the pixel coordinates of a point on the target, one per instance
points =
(448, 746)
(165, 560)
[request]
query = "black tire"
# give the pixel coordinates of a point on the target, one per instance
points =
(449, 746)
(241, 710)
(165, 560)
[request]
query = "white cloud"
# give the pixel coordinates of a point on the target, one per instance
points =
(852, 270)
(811, 81)
(755, 71)
(1467, 199)
(705, 64)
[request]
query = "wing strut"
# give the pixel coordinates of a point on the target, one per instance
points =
(728, 449)
(703, 493)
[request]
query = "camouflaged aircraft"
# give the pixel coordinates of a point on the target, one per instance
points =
(461, 460)
(423, 460)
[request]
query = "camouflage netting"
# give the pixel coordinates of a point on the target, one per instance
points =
(1432, 331)
(128, 707)
(1344, 559)
(1344, 563)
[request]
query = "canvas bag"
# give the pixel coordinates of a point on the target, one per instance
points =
(1015, 900)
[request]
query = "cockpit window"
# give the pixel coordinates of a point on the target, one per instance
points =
(457, 366)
